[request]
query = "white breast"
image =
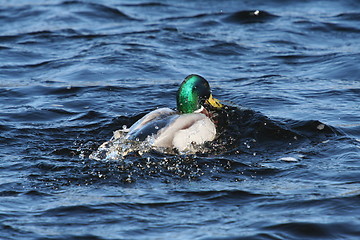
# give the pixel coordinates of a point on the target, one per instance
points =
(185, 131)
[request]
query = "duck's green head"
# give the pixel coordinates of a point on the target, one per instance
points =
(193, 93)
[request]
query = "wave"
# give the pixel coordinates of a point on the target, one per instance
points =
(64, 15)
(96, 11)
(306, 230)
(223, 49)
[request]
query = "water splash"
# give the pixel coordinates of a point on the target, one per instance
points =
(118, 147)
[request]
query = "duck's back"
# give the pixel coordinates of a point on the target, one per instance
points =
(151, 123)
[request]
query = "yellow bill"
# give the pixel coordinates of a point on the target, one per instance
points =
(214, 102)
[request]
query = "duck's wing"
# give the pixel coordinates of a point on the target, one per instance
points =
(151, 123)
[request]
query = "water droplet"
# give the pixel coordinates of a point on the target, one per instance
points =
(320, 126)
(288, 159)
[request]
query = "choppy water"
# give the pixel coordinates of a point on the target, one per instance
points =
(72, 72)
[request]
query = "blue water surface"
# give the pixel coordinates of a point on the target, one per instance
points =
(286, 166)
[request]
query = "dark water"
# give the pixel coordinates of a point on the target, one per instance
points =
(286, 166)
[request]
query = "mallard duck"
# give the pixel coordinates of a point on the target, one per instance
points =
(190, 125)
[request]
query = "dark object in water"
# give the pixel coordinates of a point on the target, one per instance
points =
(254, 16)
